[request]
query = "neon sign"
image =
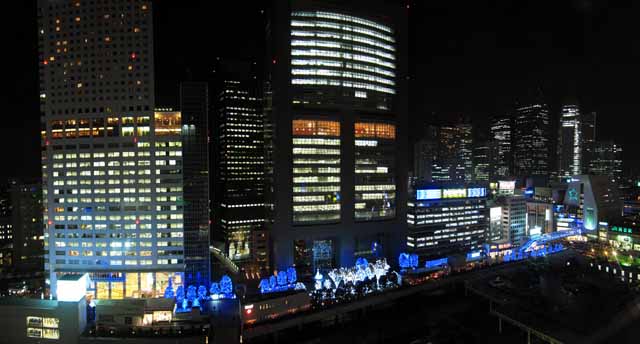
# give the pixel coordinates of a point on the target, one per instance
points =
(426, 194)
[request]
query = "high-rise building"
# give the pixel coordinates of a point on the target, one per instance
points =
(240, 190)
(424, 156)
(336, 105)
(26, 225)
(6, 231)
(570, 141)
(111, 167)
(606, 160)
(501, 128)
(588, 128)
(194, 107)
(514, 218)
(531, 137)
(483, 157)
(454, 154)
(447, 219)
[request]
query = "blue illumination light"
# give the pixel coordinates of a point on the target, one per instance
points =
(430, 264)
(280, 281)
(426, 194)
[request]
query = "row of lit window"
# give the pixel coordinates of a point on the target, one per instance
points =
(343, 56)
(342, 36)
(340, 45)
(341, 64)
(342, 74)
(341, 17)
(341, 27)
(342, 83)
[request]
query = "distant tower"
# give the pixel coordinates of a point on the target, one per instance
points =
(501, 129)
(531, 136)
(570, 141)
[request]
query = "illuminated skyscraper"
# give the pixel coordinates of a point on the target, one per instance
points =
(240, 199)
(606, 160)
(570, 143)
(588, 124)
(111, 167)
(337, 106)
(501, 129)
(454, 154)
(483, 157)
(531, 136)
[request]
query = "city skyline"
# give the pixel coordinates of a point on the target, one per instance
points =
(450, 77)
(303, 170)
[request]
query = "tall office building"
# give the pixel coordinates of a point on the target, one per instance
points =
(483, 157)
(454, 154)
(514, 218)
(501, 128)
(570, 142)
(531, 137)
(606, 160)
(588, 125)
(337, 108)
(26, 226)
(240, 169)
(6, 231)
(194, 107)
(424, 155)
(111, 167)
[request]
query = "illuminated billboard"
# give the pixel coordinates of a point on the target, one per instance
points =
(454, 193)
(476, 192)
(426, 194)
(506, 187)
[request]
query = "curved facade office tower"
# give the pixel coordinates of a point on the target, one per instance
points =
(335, 105)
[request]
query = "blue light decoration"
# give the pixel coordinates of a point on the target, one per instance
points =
(474, 255)
(408, 261)
(404, 260)
(361, 263)
(292, 275)
(436, 263)
(280, 281)
(413, 259)
(226, 286)
(282, 278)
(214, 289)
(264, 286)
(180, 295)
(541, 252)
(202, 292)
(191, 293)
(272, 282)
(168, 292)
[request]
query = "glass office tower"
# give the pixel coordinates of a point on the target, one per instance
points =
(337, 108)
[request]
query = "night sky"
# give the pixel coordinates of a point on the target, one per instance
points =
(469, 58)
